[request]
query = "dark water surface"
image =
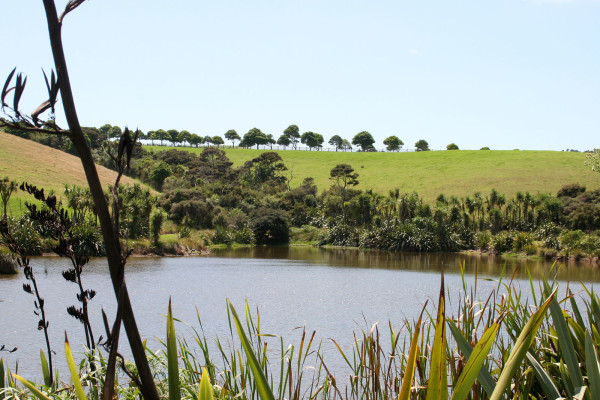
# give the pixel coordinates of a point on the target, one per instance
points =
(335, 292)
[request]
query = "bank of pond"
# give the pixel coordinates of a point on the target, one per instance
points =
(363, 307)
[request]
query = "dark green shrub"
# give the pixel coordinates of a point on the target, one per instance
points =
(8, 265)
(135, 206)
(156, 222)
(270, 226)
(482, 240)
(502, 242)
(194, 213)
(572, 190)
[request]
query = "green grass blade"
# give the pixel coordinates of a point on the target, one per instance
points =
(475, 363)
(409, 370)
(544, 379)
(73, 369)
(45, 370)
(172, 359)
(31, 388)
(520, 348)
(262, 384)
(206, 390)
(2, 373)
(437, 387)
(593, 369)
(485, 378)
(564, 340)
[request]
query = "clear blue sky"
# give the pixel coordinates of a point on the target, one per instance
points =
(505, 74)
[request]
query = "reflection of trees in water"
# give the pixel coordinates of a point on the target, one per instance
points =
(482, 264)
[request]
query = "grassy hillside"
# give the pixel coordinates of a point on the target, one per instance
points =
(25, 160)
(460, 172)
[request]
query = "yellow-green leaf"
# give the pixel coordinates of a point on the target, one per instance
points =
(437, 388)
(409, 371)
(262, 385)
(206, 391)
(520, 348)
(38, 393)
(172, 359)
(73, 369)
(474, 363)
(45, 369)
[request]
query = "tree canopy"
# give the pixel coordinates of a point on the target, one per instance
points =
(232, 136)
(364, 140)
(312, 139)
(254, 137)
(393, 143)
(336, 141)
(452, 146)
(422, 145)
(293, 132)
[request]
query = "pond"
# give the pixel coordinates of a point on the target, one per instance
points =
(333, 291)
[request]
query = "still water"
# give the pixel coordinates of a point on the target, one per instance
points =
(334, 292)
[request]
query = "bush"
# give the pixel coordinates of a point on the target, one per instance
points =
(25, 236)
(502, 242)
(222, 235)
(521, 241)
(569, 240)
(341, 234)
(243, 236)
(270, 226)
(590, 245)
(572, 190)
(8, 265)
(482, 240)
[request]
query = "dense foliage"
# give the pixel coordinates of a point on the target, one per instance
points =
(204, 191)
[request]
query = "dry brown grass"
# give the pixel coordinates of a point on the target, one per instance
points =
(27, 161)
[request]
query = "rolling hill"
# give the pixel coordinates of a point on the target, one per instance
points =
(27, 161)
(459, 172)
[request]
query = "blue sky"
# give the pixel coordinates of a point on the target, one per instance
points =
(505, 74)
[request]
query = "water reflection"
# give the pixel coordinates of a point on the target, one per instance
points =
(481, 264)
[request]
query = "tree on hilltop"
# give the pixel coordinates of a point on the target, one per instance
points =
(393, 143)
(232, 136)
(364, 140)
(422, 145)
(336, 141)
(293, 132)
(254, 137)
(312, 139)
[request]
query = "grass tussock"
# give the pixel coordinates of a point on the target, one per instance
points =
(8, 265)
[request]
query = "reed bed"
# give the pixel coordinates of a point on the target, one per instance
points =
(504, 345)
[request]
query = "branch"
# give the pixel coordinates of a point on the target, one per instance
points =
(71, 5)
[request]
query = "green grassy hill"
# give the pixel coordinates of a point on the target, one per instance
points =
(24, 160)
(460, 172)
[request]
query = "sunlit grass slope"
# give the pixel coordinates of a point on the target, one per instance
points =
(460, 172)
(27, 161)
